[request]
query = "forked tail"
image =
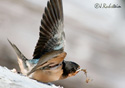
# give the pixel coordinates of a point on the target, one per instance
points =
(21, 59)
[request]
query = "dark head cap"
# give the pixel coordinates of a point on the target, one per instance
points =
(69, 68)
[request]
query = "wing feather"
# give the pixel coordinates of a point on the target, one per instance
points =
(52, 36)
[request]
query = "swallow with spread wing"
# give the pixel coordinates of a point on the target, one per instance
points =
(48, 62)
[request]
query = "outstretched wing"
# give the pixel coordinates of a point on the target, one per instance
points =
(52, 36)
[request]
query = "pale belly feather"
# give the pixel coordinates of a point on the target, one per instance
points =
(48, 75)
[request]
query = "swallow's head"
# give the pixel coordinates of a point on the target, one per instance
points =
(70, 69)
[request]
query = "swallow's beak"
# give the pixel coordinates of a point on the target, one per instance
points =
(84, 70)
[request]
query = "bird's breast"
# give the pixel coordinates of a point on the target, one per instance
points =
(48, 75)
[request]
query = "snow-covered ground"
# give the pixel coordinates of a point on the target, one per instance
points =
(9, 79)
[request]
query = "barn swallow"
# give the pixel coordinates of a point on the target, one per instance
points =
(48, 62)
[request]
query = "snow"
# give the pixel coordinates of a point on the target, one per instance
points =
(9, 79)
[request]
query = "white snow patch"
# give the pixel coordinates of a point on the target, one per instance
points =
(9, 79)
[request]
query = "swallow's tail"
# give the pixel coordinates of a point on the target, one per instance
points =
(21, 60)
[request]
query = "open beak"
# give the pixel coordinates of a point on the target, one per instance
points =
(84, 70)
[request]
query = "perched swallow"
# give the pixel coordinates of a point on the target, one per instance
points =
(48, 62)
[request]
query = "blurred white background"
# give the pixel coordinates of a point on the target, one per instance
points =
(95, 38)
